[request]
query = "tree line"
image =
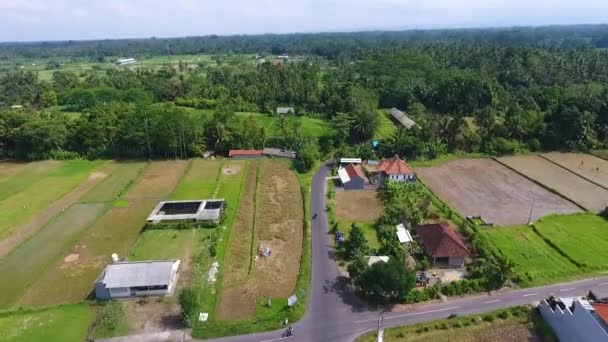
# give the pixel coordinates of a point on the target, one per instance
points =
(464, 95)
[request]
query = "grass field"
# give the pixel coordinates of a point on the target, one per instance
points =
(515, 324)
(26, 263)
(118, 181)
(386, 128)
(15, 177)
(200, 180)
(59, 324)
(583, 237)
(311, 127)
(39, 194)
(535, 261)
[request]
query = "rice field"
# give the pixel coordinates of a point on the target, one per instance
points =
(200, 180)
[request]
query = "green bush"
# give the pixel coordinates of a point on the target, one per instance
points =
(111, 315)
(488, 318)
(188, 301)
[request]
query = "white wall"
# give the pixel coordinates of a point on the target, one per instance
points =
(579, 325)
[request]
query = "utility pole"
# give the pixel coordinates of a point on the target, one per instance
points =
(380, 334)
(530, 215)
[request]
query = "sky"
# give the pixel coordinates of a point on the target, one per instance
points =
(35, 20)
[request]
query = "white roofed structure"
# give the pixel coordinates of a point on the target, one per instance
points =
(132, 279)
(403, 234)
(350, 160)
(402, 118)
(343, 174)
(374, 259)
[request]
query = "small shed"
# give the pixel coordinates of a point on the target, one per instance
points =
(285, 110)
(352, 177)
(279, 153)
(245, 154)
(403, 234)
(403, 119)
(350, 160)
(137, 279)
(375, 259)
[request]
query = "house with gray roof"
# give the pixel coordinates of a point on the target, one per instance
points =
(137, 279)
(402, 118)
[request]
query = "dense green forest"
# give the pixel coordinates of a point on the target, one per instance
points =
(492, 91)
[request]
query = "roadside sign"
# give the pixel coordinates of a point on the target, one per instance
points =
(291, 301)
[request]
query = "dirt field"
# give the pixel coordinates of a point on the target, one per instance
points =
(159, 180)
(278, 226)
(484, 187)
(357, 206)
(585, 165)
(579, 190)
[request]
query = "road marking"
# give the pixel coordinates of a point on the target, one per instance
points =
(602, 284)
(276, 339)
(568, 289)
(492, 301)
(410, 314)
(530, 294)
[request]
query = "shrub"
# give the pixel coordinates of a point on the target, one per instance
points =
(111, 315)
(488, 318)
(503, 314)
(188, 301)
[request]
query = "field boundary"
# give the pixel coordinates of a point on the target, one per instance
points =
(252, 250)
(556, 248)
(541, 185)
(574, 172)
(595, 154)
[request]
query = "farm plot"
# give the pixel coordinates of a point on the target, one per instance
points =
(483, 187)
(568, 184)
(535, 261)
(356, 206)
(15, 177)
(115, 232)
(200, 180)
(124, 174)
(583, 238)
(36, 198)
(60, 324)
(24, 265)
(585, 165)
(159, 180)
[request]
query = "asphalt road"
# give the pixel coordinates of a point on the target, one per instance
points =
(335, 314)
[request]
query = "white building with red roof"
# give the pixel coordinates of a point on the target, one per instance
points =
(395, 169)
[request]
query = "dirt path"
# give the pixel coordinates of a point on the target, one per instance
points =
(31, 227)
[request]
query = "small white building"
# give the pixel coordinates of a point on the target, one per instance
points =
(376, 258)
(285, 110)
(344, 161)
(190, 210)
(403, 234)
(137, 279)
(576, 319)
(125, 61)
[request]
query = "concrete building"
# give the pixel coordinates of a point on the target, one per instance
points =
(443, 244)
(576, 319)
(125, 61)
(137, 279)
(190, 210)
(352, 177)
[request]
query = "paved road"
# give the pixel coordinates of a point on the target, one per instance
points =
(335, 314)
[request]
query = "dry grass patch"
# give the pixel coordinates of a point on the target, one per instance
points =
(159, 180)
(357, 206)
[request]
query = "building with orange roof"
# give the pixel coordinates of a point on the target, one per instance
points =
(352, 177)
(395, 169)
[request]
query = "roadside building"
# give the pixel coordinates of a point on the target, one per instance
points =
(345, 161)
(137, 279)
(285, 110)
(404, 235)
(352, 177)
(576, 318)
(278, 153)
(402, 118)
(245, 154)
(443, 244)
(394, 169)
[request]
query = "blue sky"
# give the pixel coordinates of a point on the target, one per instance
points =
(24, 20)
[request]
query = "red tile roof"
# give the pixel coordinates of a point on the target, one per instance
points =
(394, 166)
(601, 309)
(232, 153)
(441, 240)
(355, 171)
